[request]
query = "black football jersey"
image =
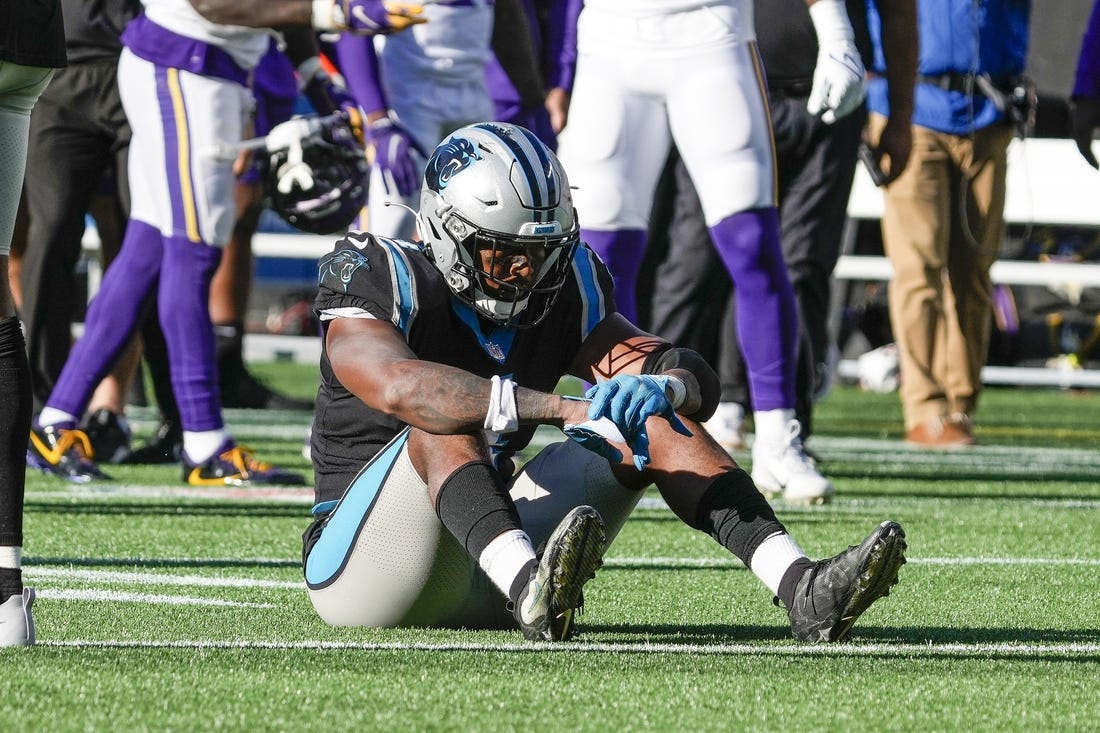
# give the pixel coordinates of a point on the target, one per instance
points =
(395, 281)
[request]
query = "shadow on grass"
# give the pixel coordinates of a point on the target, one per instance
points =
(202, 507)
(160, 562)
(925, 642)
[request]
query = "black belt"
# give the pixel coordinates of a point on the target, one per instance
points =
(790, 88)
(951, 82)
(974, 84)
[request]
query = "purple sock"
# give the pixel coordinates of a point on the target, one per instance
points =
(184, 305)
(767, 318)
(113, 317)
(622, 251)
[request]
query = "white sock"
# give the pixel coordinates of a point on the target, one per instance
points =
(771, 425)
(772, 558)
(53, 416)
(201, 446)
(504, 558)
(11, 556)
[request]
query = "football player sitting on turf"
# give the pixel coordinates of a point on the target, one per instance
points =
(439, 361)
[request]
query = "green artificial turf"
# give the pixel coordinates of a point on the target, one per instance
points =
(162, 608)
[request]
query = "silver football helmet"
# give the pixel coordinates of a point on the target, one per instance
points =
(497, 215)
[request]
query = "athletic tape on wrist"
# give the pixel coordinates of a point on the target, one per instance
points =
(676, 391)
(502, 417)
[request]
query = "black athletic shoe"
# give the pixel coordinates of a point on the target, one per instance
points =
(832, 594)
(66, 453)
(574, 552)
(108, 434)
(245, 391)
(166, 446)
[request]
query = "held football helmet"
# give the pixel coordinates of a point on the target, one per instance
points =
(497, 215)
(328, 186)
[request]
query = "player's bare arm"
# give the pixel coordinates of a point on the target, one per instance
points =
(616, 346)
(372, 360)
(256, 13)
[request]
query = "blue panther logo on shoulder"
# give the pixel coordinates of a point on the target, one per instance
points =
(341, 265)
(448, 160)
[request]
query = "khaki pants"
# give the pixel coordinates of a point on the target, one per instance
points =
(942, 229)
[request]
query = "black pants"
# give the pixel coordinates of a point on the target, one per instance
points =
(692, 303)
(79, 138)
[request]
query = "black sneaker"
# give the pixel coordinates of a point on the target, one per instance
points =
(574, 552)
(245, 391)
(236, 466)
(833, 593)
(166, 446)
(63, 452)
(108, 434)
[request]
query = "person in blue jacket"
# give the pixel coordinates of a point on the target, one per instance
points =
(944, 216)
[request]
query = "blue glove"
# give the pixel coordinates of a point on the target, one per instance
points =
(628, 401)
(393, 147)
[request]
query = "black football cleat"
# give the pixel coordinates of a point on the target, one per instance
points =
(547, 606)
(832, 594)
(108, 434)
(165, 446)
(63, 452)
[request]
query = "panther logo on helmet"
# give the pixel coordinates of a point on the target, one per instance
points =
(504, 232)
(449, 159)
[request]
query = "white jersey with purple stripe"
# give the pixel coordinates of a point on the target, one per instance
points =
(245, 45)
(180, 181)
(690, 74)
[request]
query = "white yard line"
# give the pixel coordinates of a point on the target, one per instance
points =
(57, 576)
(160, 599)
(1001, 649)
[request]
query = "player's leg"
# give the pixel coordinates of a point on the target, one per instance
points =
(67, 157)
(115, 312)
(816, 168)
(975, 244)
(197, 116)
(275, 89)
(613, 150)
(915, 233)
(400, 550)
(381, 557)
(711, 493)
(20, 86)
(729, 154)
